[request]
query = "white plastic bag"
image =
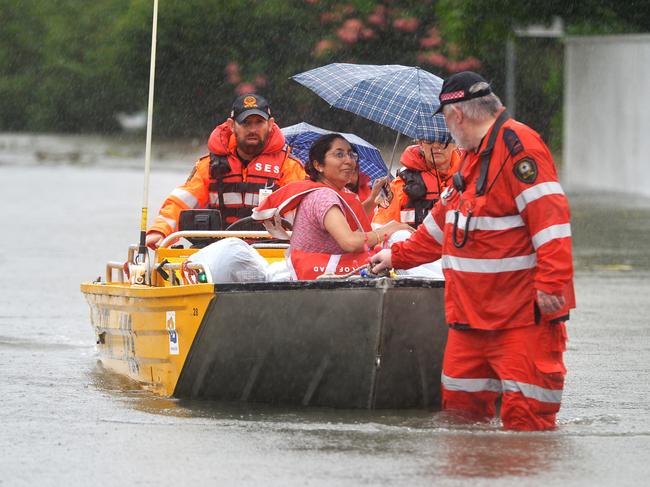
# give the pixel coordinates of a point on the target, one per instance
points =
(231, 260)
(432, 270)
(278, 271)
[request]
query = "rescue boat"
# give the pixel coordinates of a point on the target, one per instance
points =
(357, 342)
(343, 343)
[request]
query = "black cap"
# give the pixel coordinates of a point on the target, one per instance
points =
(249, 104)
(456, 88)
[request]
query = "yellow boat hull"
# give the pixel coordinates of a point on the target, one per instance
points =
(374, 343)
(135, 336)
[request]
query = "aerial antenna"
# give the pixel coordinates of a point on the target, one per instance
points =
(142, 248)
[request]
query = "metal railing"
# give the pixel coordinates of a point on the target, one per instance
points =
(216, 234)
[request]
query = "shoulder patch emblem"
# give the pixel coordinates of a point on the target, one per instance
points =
(526, 170)
(511, 139)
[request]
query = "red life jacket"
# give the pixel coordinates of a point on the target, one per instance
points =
(232, 195)
(422, 185)
(423, 190)
(309, 265)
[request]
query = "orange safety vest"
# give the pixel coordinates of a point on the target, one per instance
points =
(309, 265)
(499, 247)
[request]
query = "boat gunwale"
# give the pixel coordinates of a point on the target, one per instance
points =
(141, 291)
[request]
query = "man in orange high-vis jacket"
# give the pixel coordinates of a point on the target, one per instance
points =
(503, 233)
(426, 171)
(248, 156)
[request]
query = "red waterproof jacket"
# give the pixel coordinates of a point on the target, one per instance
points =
(309, 265)
(518, 236)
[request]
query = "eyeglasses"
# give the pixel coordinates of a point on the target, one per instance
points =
(341, 154)
(441, 145)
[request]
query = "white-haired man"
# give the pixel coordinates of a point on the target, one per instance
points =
(503, 233)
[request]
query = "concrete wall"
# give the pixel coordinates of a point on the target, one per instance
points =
(607, 113)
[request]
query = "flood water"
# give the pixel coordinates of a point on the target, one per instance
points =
(68, 422)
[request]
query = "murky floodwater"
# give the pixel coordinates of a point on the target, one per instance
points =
(68, 422)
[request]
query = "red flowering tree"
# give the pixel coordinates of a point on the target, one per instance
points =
(386, 32)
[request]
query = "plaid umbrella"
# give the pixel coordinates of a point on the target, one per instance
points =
(302, 135)
(400, 97)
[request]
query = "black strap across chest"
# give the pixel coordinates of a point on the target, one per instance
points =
(486, 154)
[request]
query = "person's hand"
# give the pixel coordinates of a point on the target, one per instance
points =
(549, 303)
(392, 227)
(381, 260)
(384, 194)
(153, 239)
(376, 187)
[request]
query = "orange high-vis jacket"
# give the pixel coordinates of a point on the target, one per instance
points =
(518, 236)
(272, 168)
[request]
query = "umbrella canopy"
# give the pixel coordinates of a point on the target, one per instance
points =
(400, 97)
(302, 135)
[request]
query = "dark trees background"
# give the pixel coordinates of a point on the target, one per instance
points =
(72, 65)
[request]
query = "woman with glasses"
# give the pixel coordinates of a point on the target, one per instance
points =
(426, 172)
(331, 231)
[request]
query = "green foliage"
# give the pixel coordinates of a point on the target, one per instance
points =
(482, 27)
(72, 65)
(19, 54)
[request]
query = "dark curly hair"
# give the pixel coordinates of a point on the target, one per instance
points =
(317, 153)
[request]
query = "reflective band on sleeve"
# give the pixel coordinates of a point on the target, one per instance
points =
(470, 385)
(232, 199)
(168, 221)
(332, 264)
(551, 233)
(486, 222)
(495, 385)
(536, 192)
(214, 199)
(533, 392)
(489, 266)
(407, 216)
(432, 227)
(186, 197)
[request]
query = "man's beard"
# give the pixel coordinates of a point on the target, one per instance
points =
(460, 140)
(251, 148)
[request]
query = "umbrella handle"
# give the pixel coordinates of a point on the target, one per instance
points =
(392, 154)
